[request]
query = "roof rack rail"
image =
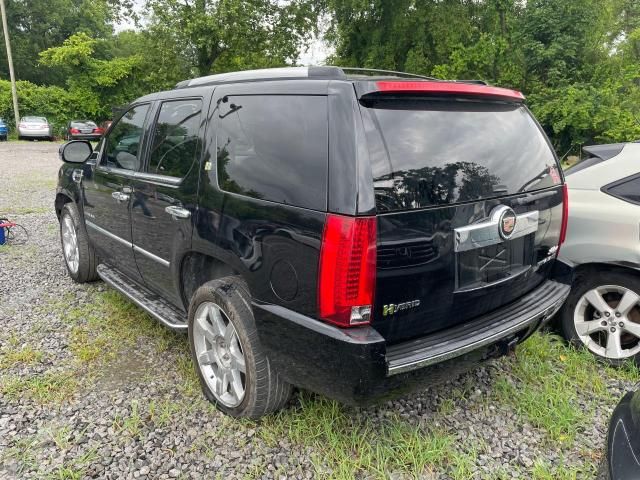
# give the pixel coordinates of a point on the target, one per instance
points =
(291, 73)
(265, 74)
(392, 72)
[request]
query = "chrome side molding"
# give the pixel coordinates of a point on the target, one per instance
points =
(127, 243)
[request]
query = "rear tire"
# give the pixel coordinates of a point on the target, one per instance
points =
(609, 333)
(224, 341)
(79, 255)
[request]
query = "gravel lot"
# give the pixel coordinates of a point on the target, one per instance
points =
(77, 401)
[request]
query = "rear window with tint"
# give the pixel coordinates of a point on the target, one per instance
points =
(274, 147)
(35, 119)
(438, 152)
(83, 124)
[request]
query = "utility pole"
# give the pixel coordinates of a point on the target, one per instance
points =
(14, 91)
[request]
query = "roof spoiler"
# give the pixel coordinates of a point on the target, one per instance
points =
(604, 152)
(443, 87)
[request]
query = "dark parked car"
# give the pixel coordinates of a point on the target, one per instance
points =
(310, 227)
(4, 130)
(83, 130)
(623, 441)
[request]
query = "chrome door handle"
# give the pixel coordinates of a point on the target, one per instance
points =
(120, 197)
(177, 212)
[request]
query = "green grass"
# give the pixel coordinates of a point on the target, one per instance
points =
(13, 356)
(30, 210)
(162, 412)
(540, 383)
(61, 437)
(130, 424)
(24, 452)
(109, 324)
(74, 469)
(547, 376)
(348, 444)
(43, 388)
(14, 251)
(543, 471)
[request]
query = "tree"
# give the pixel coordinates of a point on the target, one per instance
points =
(96, 84)
(578, 61)
(224, 35)
(35, 25)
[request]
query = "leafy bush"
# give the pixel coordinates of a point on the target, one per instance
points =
(57, 104)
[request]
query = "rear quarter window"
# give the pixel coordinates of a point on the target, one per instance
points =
(274, 147)
(428, 152)
(627, 189)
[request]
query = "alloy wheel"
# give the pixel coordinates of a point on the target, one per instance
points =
(70, 244)
(607, 321)
(219, 354)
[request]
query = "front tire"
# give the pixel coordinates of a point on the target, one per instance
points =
(602, 314)
(234, 372)
(79, 255)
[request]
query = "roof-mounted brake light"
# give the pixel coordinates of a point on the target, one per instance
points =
(449, 88)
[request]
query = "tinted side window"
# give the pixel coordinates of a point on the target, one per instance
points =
(175, 143)
(274, 147)
(122, 147)
(628, 190)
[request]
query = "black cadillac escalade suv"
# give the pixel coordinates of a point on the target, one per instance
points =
(342, 231)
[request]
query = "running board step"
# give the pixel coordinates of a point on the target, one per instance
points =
(151, 303)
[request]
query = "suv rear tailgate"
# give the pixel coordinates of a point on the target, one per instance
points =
(444, 167)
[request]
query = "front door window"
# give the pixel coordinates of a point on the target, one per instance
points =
(122, 148)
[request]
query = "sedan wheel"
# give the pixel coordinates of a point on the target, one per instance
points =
(607, 321)
(219, 354)
(70, 244)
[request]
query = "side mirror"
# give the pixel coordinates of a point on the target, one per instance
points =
(75, 151)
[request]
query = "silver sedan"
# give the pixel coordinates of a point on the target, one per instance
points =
(602, 313)
(35, 127)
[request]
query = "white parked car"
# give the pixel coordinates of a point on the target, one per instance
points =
(602, 311)
(35, 127)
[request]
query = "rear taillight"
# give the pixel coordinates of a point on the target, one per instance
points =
(44, 126)
(74, 131)
(347, 273)
(22, 125)
(98, 130)
(565, 216)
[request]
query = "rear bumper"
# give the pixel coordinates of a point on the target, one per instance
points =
(524, 315)
(88, 136)
(356, 366)
(34, 133)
